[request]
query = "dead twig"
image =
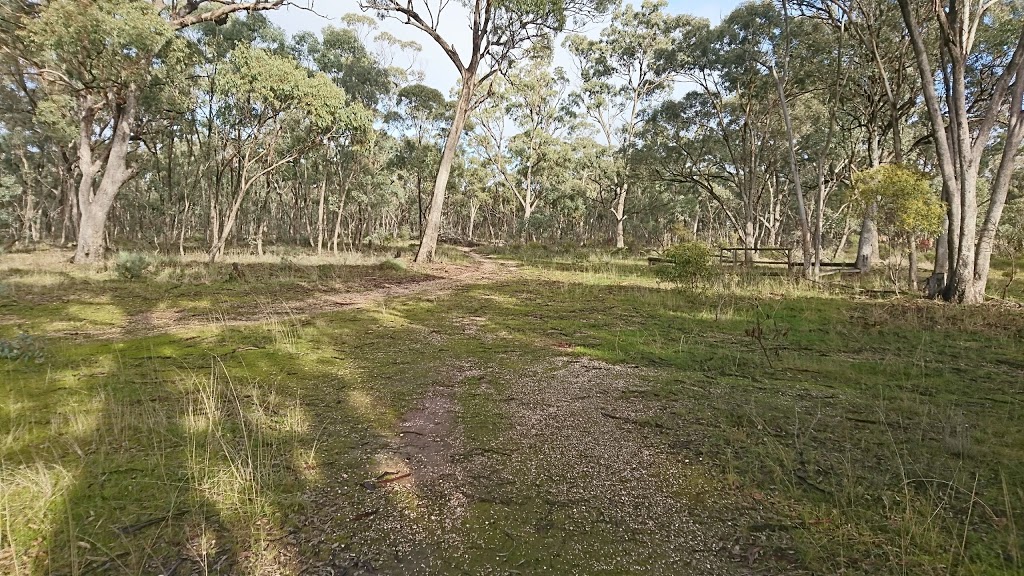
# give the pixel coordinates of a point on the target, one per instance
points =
(147, 523)
(394, 479)
(646, 423)
(364, 515)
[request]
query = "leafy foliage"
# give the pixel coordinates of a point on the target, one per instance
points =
(907, 205)
(9, 191)
(272, 84)
(98, 44)
(691, 265)
(22, 347)
(132, 265)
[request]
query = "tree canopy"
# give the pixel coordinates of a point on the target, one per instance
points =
(144, 122)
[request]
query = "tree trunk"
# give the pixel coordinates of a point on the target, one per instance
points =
(184, 226)
(321, 220)
(95, 207)
(419, 203)
(912, 268)
(620, 215)
(959, 151)
(805, 228)
(341, 209)
(866, 245)
(432, 228)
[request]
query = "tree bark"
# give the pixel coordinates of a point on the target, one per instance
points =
(321, 219)
(866, 245)
(805, 228)
(959, 151)
(341, 208)
(432, 228)
(912, 267)
(620, 215)
(95, 206)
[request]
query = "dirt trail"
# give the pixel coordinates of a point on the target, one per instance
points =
(575, 483)
(444, 278)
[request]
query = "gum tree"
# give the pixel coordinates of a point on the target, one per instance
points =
(109, 57)
(501, 31)
(623, 73)
(283, 111)
(906, 206)
(522, 132)
(977, 122)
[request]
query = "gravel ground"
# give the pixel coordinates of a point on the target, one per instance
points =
(575, 480)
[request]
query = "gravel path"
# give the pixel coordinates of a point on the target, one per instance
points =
(575, 481)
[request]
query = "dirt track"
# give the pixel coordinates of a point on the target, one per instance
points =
(443, 278)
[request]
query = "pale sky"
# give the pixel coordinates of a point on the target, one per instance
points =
(439, 70)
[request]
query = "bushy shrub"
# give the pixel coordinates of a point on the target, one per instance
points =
(691, 265)
(392, 265)
(21, 347)
(132, 265)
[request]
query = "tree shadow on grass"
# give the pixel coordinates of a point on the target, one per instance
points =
(192, 452)
(250, 446)
(61, 302)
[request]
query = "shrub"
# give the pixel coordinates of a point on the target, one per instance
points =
(22, 347)
(132, 265)
(392, 265)
(691, 265)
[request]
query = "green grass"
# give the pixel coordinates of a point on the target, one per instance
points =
(868, 425)
(835, 435)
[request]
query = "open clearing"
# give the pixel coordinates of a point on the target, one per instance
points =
(492, 416)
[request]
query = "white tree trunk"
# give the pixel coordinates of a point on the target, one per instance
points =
(432, 227)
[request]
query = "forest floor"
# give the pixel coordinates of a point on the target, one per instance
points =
(503, 414)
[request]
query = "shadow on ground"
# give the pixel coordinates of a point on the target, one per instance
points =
(569, 427)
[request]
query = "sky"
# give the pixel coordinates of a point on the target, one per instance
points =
(439, 71)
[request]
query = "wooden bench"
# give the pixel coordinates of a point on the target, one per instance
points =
(735, 251)
(652, 260)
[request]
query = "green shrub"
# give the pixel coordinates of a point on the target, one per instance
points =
(21, 347)
(132, 265)
(392, 265)
(691, 265)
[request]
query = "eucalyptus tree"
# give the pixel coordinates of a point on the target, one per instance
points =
(771, 47)
(622, 73)
(907, 206)
(724, 138)
(521, 131)
(104, 58)
(342, 56)
(980, 50)
(500, 31)
(282, 110)
(760, 40)
(725, 146)
(881, 95)
(36, 142)
(420, 115)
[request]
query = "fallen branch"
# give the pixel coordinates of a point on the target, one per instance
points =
(364, 515)
(150, 522)
(1013, 303)
(394, 479)
(861, 420)
(807, 481)
(174, 567)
